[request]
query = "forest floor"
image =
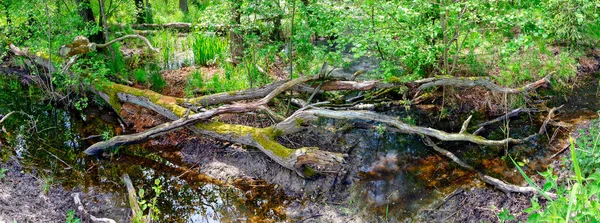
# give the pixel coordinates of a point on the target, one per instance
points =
(27, 196)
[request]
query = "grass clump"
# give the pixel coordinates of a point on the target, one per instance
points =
(207, 49)
(141, 77)
(157, 81)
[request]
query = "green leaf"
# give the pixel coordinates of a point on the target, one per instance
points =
(543, 193)
(572, 200)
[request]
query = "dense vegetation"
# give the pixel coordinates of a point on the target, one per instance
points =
(237, 45)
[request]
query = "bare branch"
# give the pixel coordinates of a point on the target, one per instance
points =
(477, 81)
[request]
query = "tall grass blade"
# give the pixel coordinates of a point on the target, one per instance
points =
(538, 189)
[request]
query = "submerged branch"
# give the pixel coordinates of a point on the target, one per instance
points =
(506, 187)
(85, 213)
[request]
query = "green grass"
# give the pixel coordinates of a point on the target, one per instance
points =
(71, 218)
(157, 81)
(208, 49)
(2, 173)
(141, 77)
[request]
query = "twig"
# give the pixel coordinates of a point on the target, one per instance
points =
(511, 114)
(6, 116)
(548, 118)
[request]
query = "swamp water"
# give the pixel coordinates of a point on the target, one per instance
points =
(396, 175)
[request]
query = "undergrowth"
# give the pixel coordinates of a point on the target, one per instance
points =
(577, 196)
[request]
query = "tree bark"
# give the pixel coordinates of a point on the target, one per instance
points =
(183, 6)
(237, 38)
(140, 12)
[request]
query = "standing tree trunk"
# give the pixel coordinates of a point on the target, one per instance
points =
(105, 28)
(85, 11)
(183, 6)
(148, 12)
(140, 11)
(237, 39)
(5, 5)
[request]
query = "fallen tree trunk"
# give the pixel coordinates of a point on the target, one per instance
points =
(483, 82)
(307, 162)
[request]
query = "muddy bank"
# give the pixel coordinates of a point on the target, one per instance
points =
(30, 196)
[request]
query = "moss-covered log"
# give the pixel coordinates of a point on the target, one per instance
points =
(305, 161)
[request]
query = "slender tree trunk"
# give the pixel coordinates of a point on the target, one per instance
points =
(237, 39)
(140, 11)
(148, 12)
(85, 11)
(6, 4)
(183, 6)
(105, 27)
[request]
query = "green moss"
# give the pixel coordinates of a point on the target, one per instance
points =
(308, 172)
(263, 136)
(299, 122)
(395, 80)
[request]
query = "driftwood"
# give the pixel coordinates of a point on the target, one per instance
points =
(81, 210)
(501, 185)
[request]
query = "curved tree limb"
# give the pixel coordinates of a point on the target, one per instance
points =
(81, 45)
(134, 36)
(401, 126)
